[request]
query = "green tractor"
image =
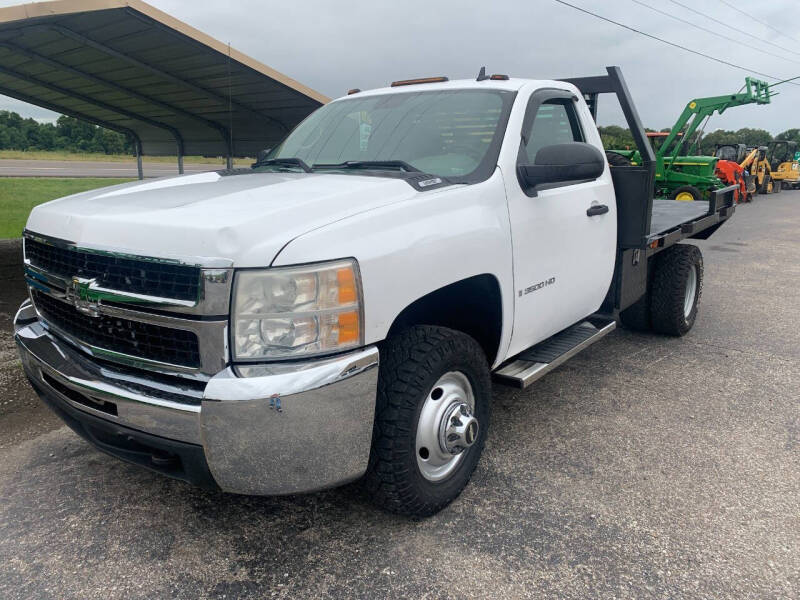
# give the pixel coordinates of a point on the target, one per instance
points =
(681, 174)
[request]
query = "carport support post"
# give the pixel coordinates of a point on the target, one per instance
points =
(139, 159)
(229, 158)
(179, 141)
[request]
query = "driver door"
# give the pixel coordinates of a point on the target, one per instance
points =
(563, 257)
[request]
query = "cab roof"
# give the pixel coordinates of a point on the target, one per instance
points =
(511, 84)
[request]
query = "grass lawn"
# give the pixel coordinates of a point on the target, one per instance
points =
(87, 156)
(18, 195)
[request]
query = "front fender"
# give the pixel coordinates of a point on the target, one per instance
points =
(409, 249)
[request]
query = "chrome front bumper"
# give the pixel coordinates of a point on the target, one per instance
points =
(264, 429)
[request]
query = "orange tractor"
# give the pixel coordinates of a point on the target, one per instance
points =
(732, 169)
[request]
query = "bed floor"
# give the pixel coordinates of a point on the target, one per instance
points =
(668, 214)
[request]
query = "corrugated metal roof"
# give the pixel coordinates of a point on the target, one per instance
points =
(130, 67)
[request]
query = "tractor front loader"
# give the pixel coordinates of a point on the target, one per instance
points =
(680, 174)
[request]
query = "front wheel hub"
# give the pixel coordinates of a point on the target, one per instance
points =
(458, 429)
(447, 426)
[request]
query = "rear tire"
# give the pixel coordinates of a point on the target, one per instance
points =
(676, 289)
(402, 476)
(777, 186)
(684, 193)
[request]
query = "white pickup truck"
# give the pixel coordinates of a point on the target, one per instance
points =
(338, 311)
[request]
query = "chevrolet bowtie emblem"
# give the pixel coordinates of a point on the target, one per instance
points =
(79, 292)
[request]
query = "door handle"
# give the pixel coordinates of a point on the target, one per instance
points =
(596, 209)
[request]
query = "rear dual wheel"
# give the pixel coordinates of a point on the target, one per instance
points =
(670, 304)
(677, 286)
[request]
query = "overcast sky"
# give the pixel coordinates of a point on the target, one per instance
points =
(334, 46)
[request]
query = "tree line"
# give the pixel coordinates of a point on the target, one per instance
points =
(72, 135)
(66, 134)
(621, 139)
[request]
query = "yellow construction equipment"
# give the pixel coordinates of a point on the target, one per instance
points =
(784, 162)
(747, 165)
(758, 165)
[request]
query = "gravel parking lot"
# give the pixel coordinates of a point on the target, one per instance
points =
(647, 467)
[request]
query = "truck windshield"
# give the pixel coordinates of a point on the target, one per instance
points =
(452, 133)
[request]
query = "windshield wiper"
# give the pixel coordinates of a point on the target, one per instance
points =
(283, 162)
(369, 164)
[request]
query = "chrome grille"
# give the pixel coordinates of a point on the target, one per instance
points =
(132, 338)
(139, 276)
(132, 309)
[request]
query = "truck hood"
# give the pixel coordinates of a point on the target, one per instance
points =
(245, 218)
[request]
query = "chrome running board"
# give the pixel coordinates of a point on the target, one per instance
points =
(535, 362)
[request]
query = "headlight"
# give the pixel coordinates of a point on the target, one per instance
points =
(297, 311)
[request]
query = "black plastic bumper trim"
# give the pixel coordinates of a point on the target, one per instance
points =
(178, 460)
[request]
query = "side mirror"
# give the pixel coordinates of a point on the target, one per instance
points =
(575, 161)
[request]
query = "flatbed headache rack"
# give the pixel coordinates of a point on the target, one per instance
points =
(646, 226)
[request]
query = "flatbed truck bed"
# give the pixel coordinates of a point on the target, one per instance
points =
(674, 220)
(669, 214)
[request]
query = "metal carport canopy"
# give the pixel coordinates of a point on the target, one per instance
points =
(130, 67)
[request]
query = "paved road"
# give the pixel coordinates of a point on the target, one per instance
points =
(648, 467)
(73, 168)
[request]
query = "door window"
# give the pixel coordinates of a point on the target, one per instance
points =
(556, 122)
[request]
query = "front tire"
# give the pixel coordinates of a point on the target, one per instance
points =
(428, 375)
(677, 286)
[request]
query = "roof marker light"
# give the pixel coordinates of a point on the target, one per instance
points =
(422, 80)
(352, 91)
(498, 77)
